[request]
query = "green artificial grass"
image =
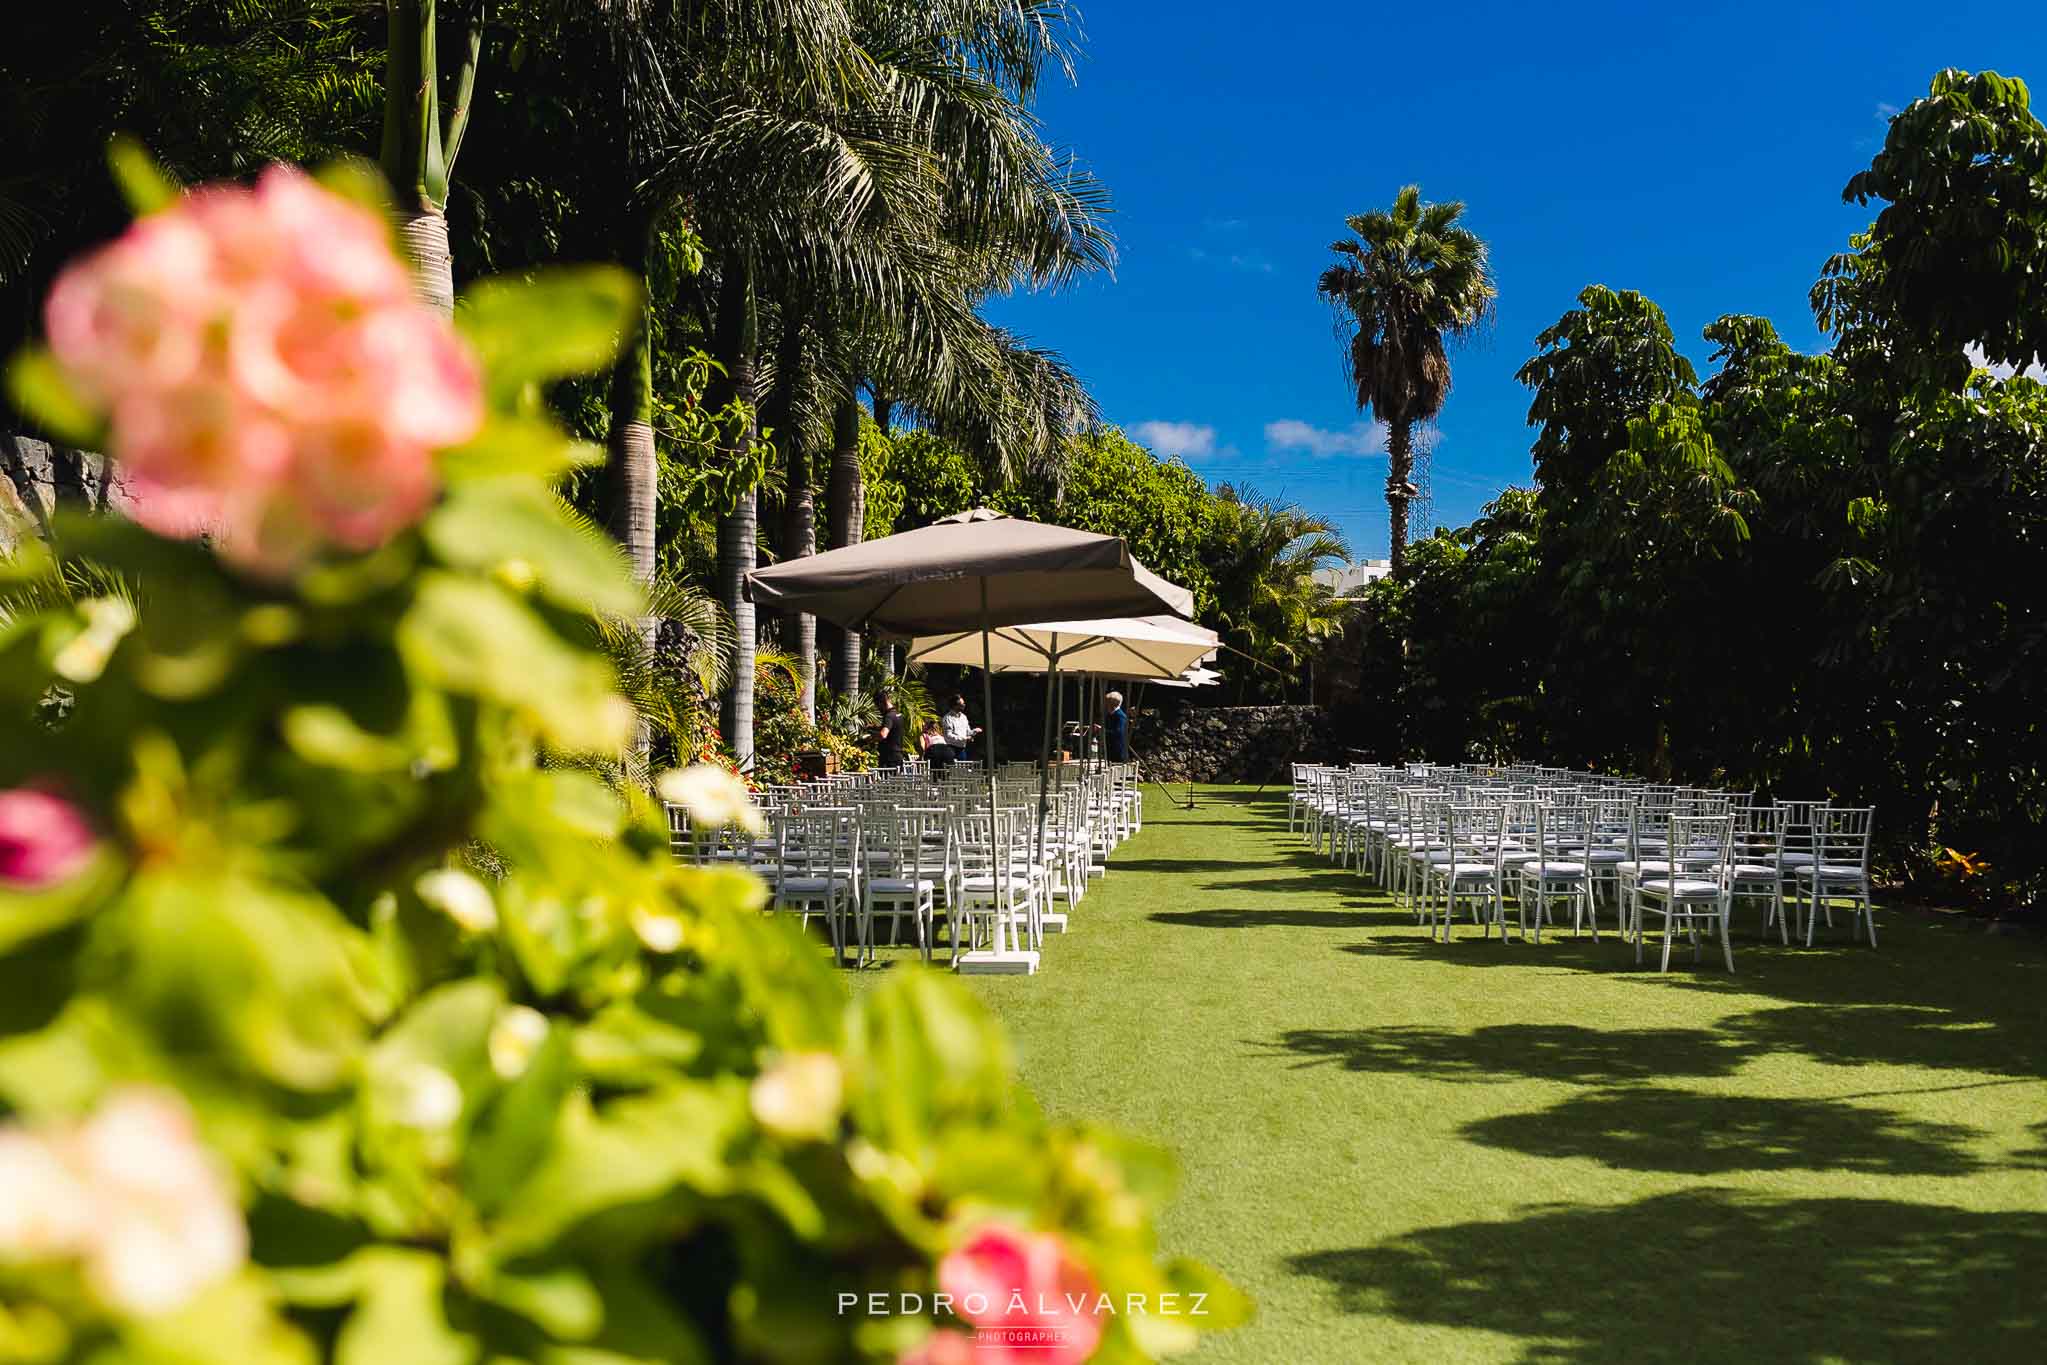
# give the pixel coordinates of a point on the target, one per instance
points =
(1410, 1151)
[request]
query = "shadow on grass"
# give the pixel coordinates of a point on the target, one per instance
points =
(1550, 1052)
(1896, 1035)
(1175, 865)
(1297, 917)
(1279, 882)
(1690, 1133)
(1718, 1275)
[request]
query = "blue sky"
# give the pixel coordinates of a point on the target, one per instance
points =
(1694, 152)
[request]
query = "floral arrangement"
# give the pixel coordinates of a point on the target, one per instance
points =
(283, 1077)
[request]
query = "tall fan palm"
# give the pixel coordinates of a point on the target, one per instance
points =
(1410, 280)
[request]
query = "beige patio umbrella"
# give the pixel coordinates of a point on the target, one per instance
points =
(966, 572)
(1130, 647)
(971, 572)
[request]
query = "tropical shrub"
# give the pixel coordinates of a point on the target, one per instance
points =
(287, 1071)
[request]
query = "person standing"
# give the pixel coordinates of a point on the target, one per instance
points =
(1116, 729)
(960, 733)
(890, 733)
(936, 751)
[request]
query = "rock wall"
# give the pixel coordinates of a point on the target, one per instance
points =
(37, 477)
(1232, 743)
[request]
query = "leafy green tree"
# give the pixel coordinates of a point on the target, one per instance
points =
(1957, 259)
(1411, 280)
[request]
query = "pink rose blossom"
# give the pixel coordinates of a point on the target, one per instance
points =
(1026, 1293)
(270, 379)
(43, 838)
(943, 1348)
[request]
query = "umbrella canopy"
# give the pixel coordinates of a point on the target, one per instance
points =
(1193, 677)
(1130, 647)
(969, 571)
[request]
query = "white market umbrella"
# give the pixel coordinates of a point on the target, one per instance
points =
(1129, 647)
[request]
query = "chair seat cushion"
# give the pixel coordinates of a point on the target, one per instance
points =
(1468, 871)
(1684, 889)
(1607, 857)
(1553, 869)
(900, 886)
(1754, 872)
(800, 886)
(1833, 872)
(1651, 868)
(985, 883)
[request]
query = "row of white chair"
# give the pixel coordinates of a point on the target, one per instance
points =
(1438, 837)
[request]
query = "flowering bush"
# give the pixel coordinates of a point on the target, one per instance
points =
(283, 1075)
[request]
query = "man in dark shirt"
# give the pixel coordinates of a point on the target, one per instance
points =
(1116, 729)
(891, 732)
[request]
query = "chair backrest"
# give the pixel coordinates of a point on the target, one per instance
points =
(1759, 836)
(1801, 824)
(819, 841)
(1477, 833)
(1841, 836)
(1706, 843)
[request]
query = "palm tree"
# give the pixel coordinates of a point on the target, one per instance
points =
(1409, 280)
(1267, 595)
(421, 139)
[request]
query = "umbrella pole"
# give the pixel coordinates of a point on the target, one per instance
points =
(1045, 778)
(1003, 940)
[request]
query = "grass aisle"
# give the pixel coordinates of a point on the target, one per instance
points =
(1415, 1152)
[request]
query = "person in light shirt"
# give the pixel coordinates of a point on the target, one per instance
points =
(960, 733)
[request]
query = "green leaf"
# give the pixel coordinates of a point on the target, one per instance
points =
(515, 529)
(447, 1031)
(513, 1133)
(528, 447)
(26, 915)
(39, 388)
(621, 1161)
(146, 186)
(553, 325)
(234, 1322)
(477, 639)
(400, 1314)
(230, 967)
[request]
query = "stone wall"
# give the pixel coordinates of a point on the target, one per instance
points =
(37, 477)
(1231, 743)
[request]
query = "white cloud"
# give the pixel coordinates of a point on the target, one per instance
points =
(2036, 370)
(1886, 111)
(1289, 433)
(1188, 440)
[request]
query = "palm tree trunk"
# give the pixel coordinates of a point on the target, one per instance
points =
(1400, 468)
(739, 529)
(884, 421)
(424, 235)
(847, 497)
(422, 139)
(630, 469)
(799, 500)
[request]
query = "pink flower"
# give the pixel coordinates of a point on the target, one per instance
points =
(942, 1348)
(1026, 1293)
(269, 377)
(130, 1195)
(43, 838)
